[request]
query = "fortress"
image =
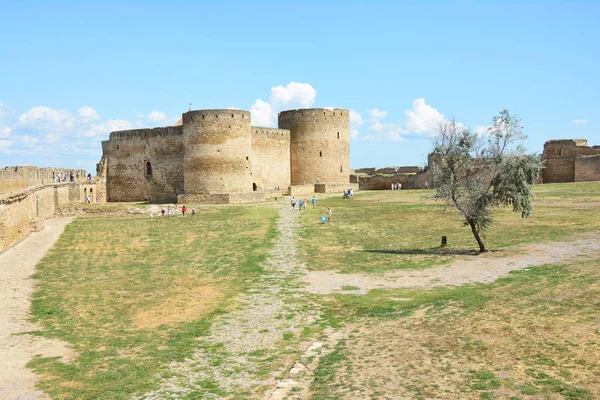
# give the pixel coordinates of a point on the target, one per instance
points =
(217, 156)
(570, 160)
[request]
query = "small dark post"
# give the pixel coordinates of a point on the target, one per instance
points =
(444, 241)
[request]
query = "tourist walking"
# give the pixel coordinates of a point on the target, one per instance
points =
(169, 212)
(299, 205)
(183, 210)
(151, 215)
(314, 202)
(304, 203)
(329, 214)
(193, 211)
(293, 203)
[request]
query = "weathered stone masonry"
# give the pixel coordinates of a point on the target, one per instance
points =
(570, 160)
(217, 156)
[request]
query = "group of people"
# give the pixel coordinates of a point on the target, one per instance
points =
(171, 212)
(302, 204)
(58, 177)
(348, 193)
(396, 186)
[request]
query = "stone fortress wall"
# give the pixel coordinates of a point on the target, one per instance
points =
(217, 156)
(570, 160)
(21, 177)
(144, 164)
(28, 196)
(270, 158)
(410, 177)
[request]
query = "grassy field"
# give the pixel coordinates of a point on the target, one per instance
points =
(534, 335)
(385, 230)
(131, 295)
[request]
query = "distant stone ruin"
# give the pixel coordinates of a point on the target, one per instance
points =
(570, 160)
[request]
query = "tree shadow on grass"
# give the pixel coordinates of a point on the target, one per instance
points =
(435, 251)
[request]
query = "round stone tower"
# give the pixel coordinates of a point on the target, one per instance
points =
(320, 145)
(218, 147)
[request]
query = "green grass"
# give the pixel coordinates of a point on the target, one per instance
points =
(476, 340)
(130, 295)
(386, 230)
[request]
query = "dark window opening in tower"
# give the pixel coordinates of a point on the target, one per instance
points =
(560, 152)
(246, 158)
(338, 135)
(118, 147)
(320, 154)
(148, 169)
(254, 187)
(341, 169)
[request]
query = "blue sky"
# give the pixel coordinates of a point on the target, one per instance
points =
(70, 72)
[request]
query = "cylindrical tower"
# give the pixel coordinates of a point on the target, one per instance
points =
(320, 145)
(218, 150)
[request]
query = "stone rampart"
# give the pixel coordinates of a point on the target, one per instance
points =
(144, 164)
(270, 158)
(335, 188)
(587, 168)
(384, 182)
(23, 211)
(296, 190)
(22, 177)
(562, 161)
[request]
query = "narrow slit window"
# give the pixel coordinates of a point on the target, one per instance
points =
(320, 154)
(338, 135)
(148, 168)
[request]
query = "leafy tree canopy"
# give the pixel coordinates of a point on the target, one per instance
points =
(477, 175)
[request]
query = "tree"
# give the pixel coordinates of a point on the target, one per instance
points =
(477, 175)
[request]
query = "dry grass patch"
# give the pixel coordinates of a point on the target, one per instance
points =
(183, 303)
(535, 335)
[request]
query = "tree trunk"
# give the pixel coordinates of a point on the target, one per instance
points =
(476, 234)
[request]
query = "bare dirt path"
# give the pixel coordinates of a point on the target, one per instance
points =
(484, 268)
(235, 356)
(17, 264)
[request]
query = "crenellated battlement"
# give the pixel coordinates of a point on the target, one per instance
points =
(260, 131)
(146, 133)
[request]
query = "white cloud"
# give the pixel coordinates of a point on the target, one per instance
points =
(88, 113)
(262, 113)
(355, 118)
(5, 145)
(293, 95)
(156, 116)
(297, 94)
(62, 137)
(482, 131)
(378, 114)
(422, 118)
(43, 116)
(5, 112)
(580, 121)
(329, 108)
(30, 141)
(353, 133)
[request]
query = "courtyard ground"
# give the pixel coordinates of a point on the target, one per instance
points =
(262, 302)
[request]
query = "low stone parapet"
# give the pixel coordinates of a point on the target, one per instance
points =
(221, 198)
(335, 187)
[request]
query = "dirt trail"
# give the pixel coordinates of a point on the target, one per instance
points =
(242, 341)
(17, 264)
(484, 268)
